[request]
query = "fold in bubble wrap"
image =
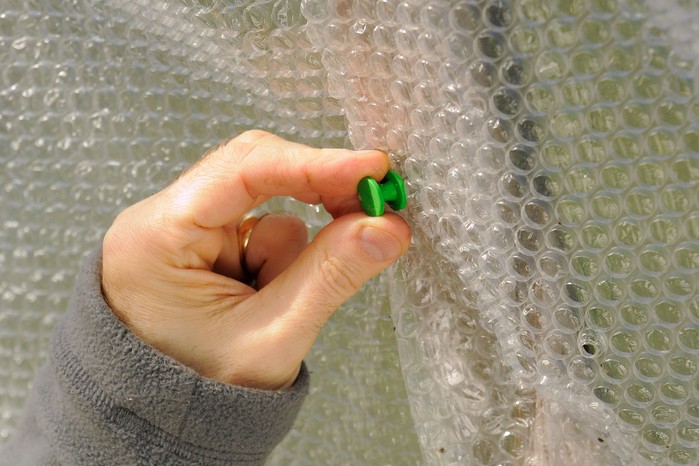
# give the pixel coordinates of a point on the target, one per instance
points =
(547, 312)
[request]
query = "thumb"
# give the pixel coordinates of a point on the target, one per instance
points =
(340, 259)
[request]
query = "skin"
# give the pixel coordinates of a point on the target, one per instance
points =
(171, 266)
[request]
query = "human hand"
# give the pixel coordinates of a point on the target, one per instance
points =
(171, 264)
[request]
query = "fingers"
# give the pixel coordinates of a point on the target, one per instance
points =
(340, 259)
(248, 170)
(275, 243)
(339, 206)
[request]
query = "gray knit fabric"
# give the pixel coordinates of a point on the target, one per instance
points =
(105, 397)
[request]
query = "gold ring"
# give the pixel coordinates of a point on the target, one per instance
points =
(245, 228)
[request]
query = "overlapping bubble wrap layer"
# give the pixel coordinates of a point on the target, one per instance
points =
(547, 312)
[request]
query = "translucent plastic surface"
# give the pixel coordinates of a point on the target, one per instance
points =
(547, 312)
(102, 104)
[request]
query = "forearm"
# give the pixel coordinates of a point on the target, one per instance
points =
(105, 397)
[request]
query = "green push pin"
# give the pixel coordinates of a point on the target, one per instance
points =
(373, 195)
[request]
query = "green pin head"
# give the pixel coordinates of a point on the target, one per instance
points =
(373, 195)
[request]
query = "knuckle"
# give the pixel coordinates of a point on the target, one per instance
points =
(252, 136)
(339, 277)
(294, 228)
(141, 227)
(310, 327)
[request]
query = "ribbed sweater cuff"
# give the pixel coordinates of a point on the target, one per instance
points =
(163, 403)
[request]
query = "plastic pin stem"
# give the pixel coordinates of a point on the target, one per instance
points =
(373, 195)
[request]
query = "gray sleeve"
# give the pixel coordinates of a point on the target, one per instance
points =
(105, 397)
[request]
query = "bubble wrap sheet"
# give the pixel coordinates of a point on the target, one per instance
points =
(548, 310)
(102, 104)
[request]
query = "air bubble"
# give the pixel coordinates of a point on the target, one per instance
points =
(547, 186)
(525, 40)
(491, 45)
(689, 339)
(515, 73)
(649, 368)
(507, 102)
(561, 35)
(522, 158)
(498, 15)
(659, 340)
(609, 395)
(633, 418)
(656, 439)
(614, 371)
(640, 395)
(665, 416)
(624, 343)
(669, 313)
(688, 434)
(583, 370)
(584, 266)
(683, 367)
(594, 237)
(536, 11)
(550, 66)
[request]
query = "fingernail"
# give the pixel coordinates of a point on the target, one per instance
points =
(371, 154)
(379, 244)
(367, 152)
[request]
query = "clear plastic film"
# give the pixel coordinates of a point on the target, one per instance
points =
(547, 312)
(104, 103)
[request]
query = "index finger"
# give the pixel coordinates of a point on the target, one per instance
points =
(255, 166)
